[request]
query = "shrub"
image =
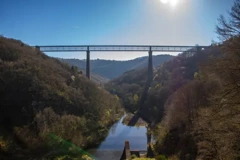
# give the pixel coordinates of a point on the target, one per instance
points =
(161, 157)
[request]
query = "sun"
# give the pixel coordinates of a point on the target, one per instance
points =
(171, 2)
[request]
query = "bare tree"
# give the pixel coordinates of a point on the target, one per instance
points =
(230, 28)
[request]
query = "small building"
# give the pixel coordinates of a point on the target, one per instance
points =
(128, 154)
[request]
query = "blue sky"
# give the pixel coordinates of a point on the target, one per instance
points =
(82, 22)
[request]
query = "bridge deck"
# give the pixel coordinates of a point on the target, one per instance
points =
(136, 48)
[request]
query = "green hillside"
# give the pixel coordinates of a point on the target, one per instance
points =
(46, 105)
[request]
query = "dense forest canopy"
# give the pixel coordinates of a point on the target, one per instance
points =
(41, 96)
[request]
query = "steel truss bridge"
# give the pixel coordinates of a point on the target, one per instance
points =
(117, 48)
(134, 48)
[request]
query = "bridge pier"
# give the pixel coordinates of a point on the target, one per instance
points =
(150, 65)
(198, 49)
(88, 64)
(37, 48)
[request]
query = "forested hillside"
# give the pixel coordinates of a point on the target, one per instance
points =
(202, 117)
(48, 109)
(167, 79)
(112, 69)
(129, 87)
(193, 103)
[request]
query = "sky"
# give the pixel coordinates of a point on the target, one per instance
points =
(111, 22)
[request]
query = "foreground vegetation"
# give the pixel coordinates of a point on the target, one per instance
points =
(46, 104)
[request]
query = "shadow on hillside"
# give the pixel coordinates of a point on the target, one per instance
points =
(143, 111)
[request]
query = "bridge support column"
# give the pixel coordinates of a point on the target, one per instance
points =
(88, 64)
(198, 49)
(37, 48)
(150, 66)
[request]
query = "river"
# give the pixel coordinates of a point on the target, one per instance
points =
(111, 148)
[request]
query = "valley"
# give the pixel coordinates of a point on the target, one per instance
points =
(160, 107)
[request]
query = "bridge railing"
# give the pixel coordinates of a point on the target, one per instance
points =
(136, 48)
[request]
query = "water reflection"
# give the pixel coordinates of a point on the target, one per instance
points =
(119, 133)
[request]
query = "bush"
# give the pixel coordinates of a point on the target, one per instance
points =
(161, 157)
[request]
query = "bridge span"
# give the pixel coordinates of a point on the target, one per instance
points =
(114, 48)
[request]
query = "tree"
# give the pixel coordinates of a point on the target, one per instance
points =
(230, 28)
(135, 98)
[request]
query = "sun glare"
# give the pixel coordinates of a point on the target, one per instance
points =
(164, 1)
(171, 2)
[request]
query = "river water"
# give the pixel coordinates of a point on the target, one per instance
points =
(111, 148)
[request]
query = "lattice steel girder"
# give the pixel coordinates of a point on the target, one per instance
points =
(137, 48)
